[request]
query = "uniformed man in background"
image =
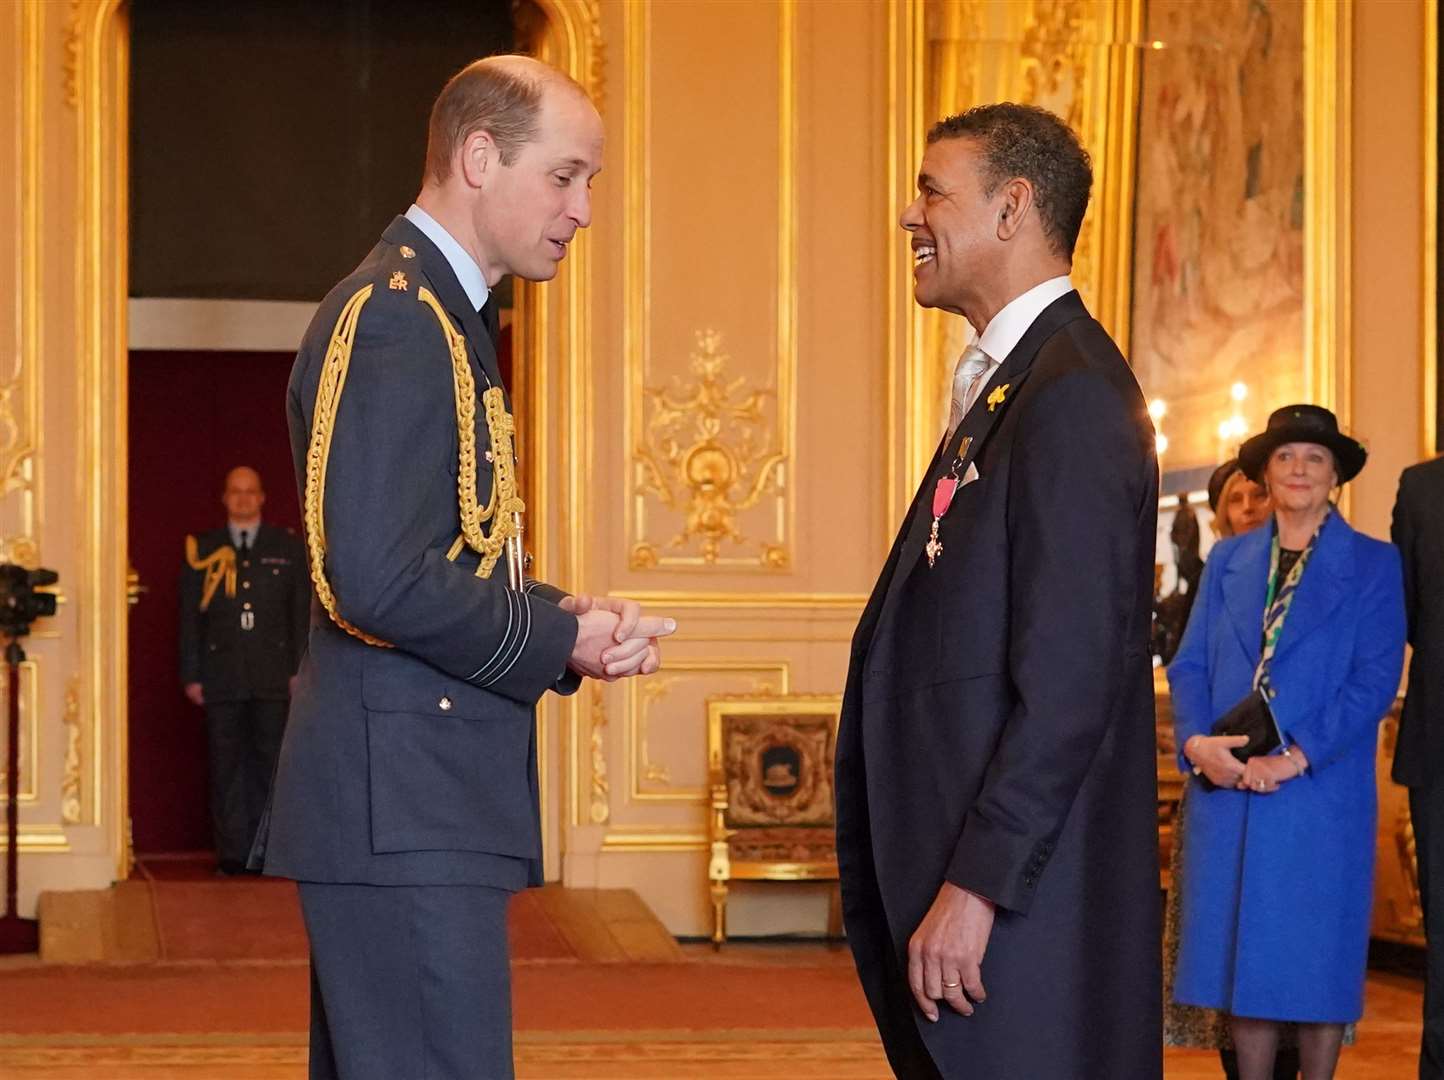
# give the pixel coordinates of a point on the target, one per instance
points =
(245, 608)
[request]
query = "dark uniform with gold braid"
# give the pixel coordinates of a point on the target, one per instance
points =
(243, 626)
(406, 797)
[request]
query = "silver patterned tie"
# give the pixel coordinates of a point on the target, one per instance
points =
(968, 380)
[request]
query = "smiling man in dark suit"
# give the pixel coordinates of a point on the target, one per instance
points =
(996, 768)
(405, 803)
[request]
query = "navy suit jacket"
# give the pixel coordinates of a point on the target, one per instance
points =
(1418, 531)
(997, 730)
(414, 764)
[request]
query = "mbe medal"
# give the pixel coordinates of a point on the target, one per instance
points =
(942, 499)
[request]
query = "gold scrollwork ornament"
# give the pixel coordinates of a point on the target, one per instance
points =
(708, 455)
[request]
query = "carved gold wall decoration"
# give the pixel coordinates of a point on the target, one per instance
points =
(71, 791)
(708, 453)
(601, 787)
(548, 28)
(652, 691)
(22, 550)
(73, 30)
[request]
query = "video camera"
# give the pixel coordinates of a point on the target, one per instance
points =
(21, 598)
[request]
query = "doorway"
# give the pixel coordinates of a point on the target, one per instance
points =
(551, 330)
(240, 222)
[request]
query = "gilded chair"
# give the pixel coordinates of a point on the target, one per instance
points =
(773, 811)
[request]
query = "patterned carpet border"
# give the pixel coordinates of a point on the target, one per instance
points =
(695, 1048)
(636, 1035)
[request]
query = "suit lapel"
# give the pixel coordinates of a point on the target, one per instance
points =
(862, 638)
(452, 296)
(1245, 583)
(973, 432)
(1323, 587)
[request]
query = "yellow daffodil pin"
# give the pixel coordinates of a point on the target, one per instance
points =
(998, 396)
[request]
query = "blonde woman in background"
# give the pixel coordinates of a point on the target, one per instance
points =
(1239, 505)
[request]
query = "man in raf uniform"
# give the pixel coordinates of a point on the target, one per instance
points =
(245, 606)
(405, 802)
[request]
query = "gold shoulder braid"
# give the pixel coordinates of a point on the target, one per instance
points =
(219, 566)
(504, 497)
(505, 504)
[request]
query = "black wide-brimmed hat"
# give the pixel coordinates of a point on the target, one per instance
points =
(1218, 480)
(1302, 424)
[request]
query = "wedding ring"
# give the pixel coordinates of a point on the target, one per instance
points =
(951, 986)
(1259, 784)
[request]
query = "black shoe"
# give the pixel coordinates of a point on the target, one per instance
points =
(229, 868)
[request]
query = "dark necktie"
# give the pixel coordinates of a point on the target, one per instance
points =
(491, 316)
(245, 545)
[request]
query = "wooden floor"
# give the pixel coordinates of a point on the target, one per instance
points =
(175, 910)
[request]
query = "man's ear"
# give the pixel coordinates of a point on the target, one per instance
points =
(476, 158)
(1017, 202)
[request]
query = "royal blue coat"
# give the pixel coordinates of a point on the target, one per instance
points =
(1275, 916)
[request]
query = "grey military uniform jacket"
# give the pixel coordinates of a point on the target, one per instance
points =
(235, 657)
(414, 764)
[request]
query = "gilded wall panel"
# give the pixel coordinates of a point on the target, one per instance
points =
(62, 449)
(711, 349)
(732, 470)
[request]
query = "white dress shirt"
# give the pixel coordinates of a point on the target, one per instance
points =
(467, 272)
(1000, 338)
(1010, 324)
(250, 531)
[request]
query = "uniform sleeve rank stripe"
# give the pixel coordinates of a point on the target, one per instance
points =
(511, 621)
(521, 642)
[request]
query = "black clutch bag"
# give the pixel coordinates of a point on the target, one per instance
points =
(1251, 717)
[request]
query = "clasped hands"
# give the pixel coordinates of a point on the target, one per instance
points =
(1261, 774)
(614, 638)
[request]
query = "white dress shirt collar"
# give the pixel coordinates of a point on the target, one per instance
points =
(250, 530)
(467, 272)
(1010, 324)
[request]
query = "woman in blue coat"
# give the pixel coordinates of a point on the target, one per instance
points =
(1280, 856)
